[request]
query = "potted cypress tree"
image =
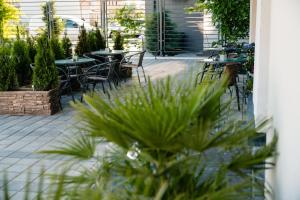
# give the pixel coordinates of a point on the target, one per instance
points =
(45, 98)
(83, 44)
(100, 40)
(45, 78)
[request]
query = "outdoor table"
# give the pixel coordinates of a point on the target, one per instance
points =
(228, 60)
(108, 53)
(71, 62)
(74, 70)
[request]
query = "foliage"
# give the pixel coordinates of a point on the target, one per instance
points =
(129, 18)
(173, 38)
(67, 46)
(118, 41)
(45, 75)
(83, 42)
(100, 40)
(171, 140)
(57, 24)
(31, 47)
(8, 77)
(231, 17)
(92, 40)
(57, 48)
(9, 15)
(22, 61)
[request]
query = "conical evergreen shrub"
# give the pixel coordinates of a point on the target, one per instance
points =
(92, 41)
(67, 46)
(8, 77)
(31, 42)
(83, 44)
(100, 40)
(22, 61)
(118, 41)
(45, 76)
(57, 48)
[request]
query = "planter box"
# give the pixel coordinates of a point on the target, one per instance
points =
(29, 102)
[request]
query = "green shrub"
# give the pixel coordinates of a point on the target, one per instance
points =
(118, 41)
(100, 40)
(31, 42)
(67, 46)
(92, 41)
(22, 62)
(57, 48)
(8, 77)
(83, 42)
(45, 75)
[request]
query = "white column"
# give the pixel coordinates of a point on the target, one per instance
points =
(277, 87)
(252, 33)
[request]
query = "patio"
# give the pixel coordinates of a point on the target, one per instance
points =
(22, 136)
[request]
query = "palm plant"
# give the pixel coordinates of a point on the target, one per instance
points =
(171, 140)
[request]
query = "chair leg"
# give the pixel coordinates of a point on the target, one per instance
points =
(144, 74)
(94, 86)
(137, 71)
(237, 96)
(109, 84)
(103, 88)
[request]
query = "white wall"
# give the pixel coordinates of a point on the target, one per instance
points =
(277, 87)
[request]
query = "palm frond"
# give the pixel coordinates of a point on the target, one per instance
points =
(82, 147)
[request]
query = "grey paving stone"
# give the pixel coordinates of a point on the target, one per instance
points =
(17, 168)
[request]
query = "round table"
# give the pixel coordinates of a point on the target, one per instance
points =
(228, 60)
(108, 53)
(79, 61)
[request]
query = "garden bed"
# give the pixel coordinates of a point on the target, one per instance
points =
(29, 102)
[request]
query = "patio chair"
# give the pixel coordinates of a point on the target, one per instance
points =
(99, 73)
(65, 86)
(207, 75)
(232, 70)
(127, 63)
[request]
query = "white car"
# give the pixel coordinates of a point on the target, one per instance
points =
(71, 26)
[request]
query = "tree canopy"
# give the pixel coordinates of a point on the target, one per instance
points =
(231, 17)
(8, 14)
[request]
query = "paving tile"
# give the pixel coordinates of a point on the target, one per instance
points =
(17, 168)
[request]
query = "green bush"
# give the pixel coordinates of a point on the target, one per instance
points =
(67, 46)
(22, 61)
(118, 41)
(100, 40)
(92, 41)
(83, 42)
(31, 42)
(8, 77)
(45, 75)
(57, 48)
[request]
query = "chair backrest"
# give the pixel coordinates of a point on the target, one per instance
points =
(104, 69)
(141, 58)
(232, 70)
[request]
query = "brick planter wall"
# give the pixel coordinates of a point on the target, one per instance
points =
(29, 102)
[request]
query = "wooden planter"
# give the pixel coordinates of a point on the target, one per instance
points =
(29, 102)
